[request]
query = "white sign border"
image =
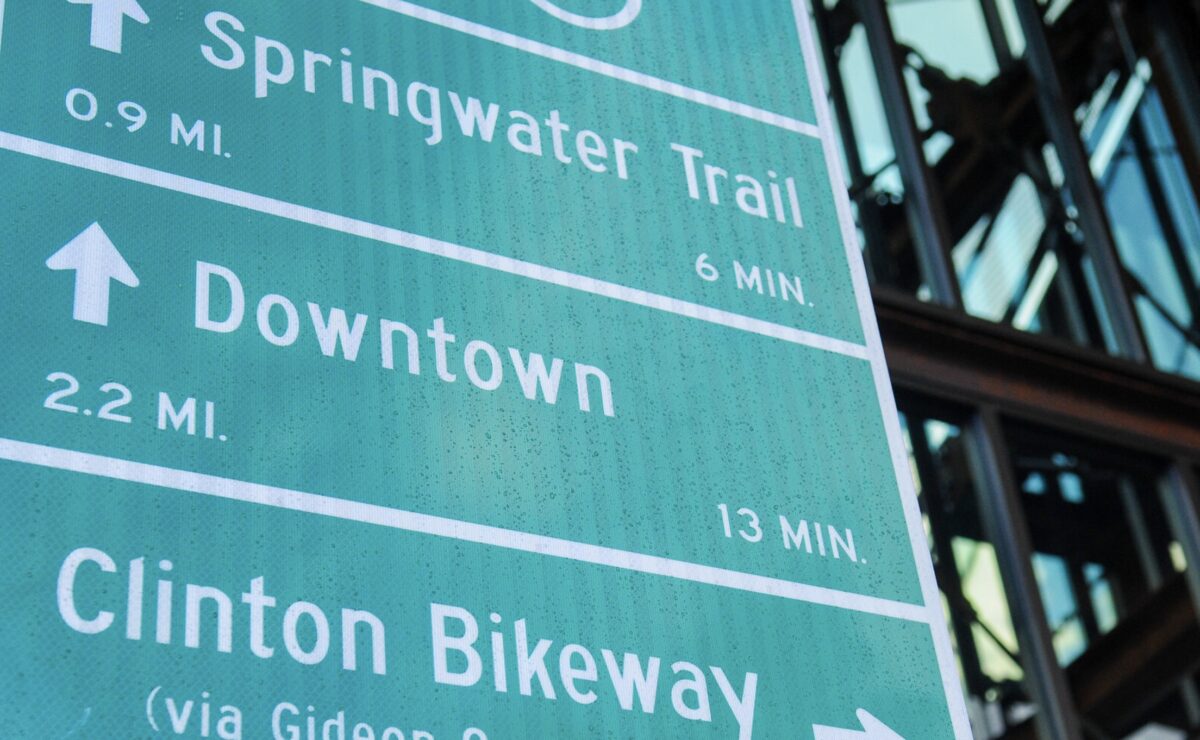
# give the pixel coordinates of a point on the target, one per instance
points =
(188, 481)
(935, 615)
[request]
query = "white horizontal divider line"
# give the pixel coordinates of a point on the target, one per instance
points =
(591, 64)
(407, 240)
(311, 503)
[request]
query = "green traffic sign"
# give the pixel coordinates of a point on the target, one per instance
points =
(471, 370)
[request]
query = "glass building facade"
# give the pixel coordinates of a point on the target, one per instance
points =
(1025, 177)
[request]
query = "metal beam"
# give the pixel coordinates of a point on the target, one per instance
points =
(1060, 125)
(999, 503)
(922, 199)
(943, 354)
(1149, 655)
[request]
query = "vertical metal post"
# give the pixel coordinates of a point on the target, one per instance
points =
(1000, 505)
(1179, 79)
(1189, 279)
(1143, 543)
(949, 579)
(879, 268)
(1060, 125)
(926, 209)
(1181, 498)
(995, 29)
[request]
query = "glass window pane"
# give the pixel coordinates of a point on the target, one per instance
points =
(1011, 25)
(1017, 248)
(951, 35)
(1108, 573)
(876, 188)
(1100, 534)
(981, 625)
(1155, 219)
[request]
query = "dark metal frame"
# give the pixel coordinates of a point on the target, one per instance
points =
(990, 378)
(1060, 124)
(922, 196)
(1001, 507)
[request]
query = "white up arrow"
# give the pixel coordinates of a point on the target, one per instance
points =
(872, 729)
(108, 20)
(95, 261)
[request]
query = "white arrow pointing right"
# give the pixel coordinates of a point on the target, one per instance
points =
(872, 729)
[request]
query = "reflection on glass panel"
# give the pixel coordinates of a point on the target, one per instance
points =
(995, 638)
(1017, 249)
(1100, 535)
(876, 189)
(1107, 570)
(1009, 24)
(866, 108)
(1062, 609)
(992, 260)
(1178, 559)
(947, 52)
(952, 35)
(1054, 9)
(1155, 218)
(1102, 596)
(1021, 261)
(980, 623)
